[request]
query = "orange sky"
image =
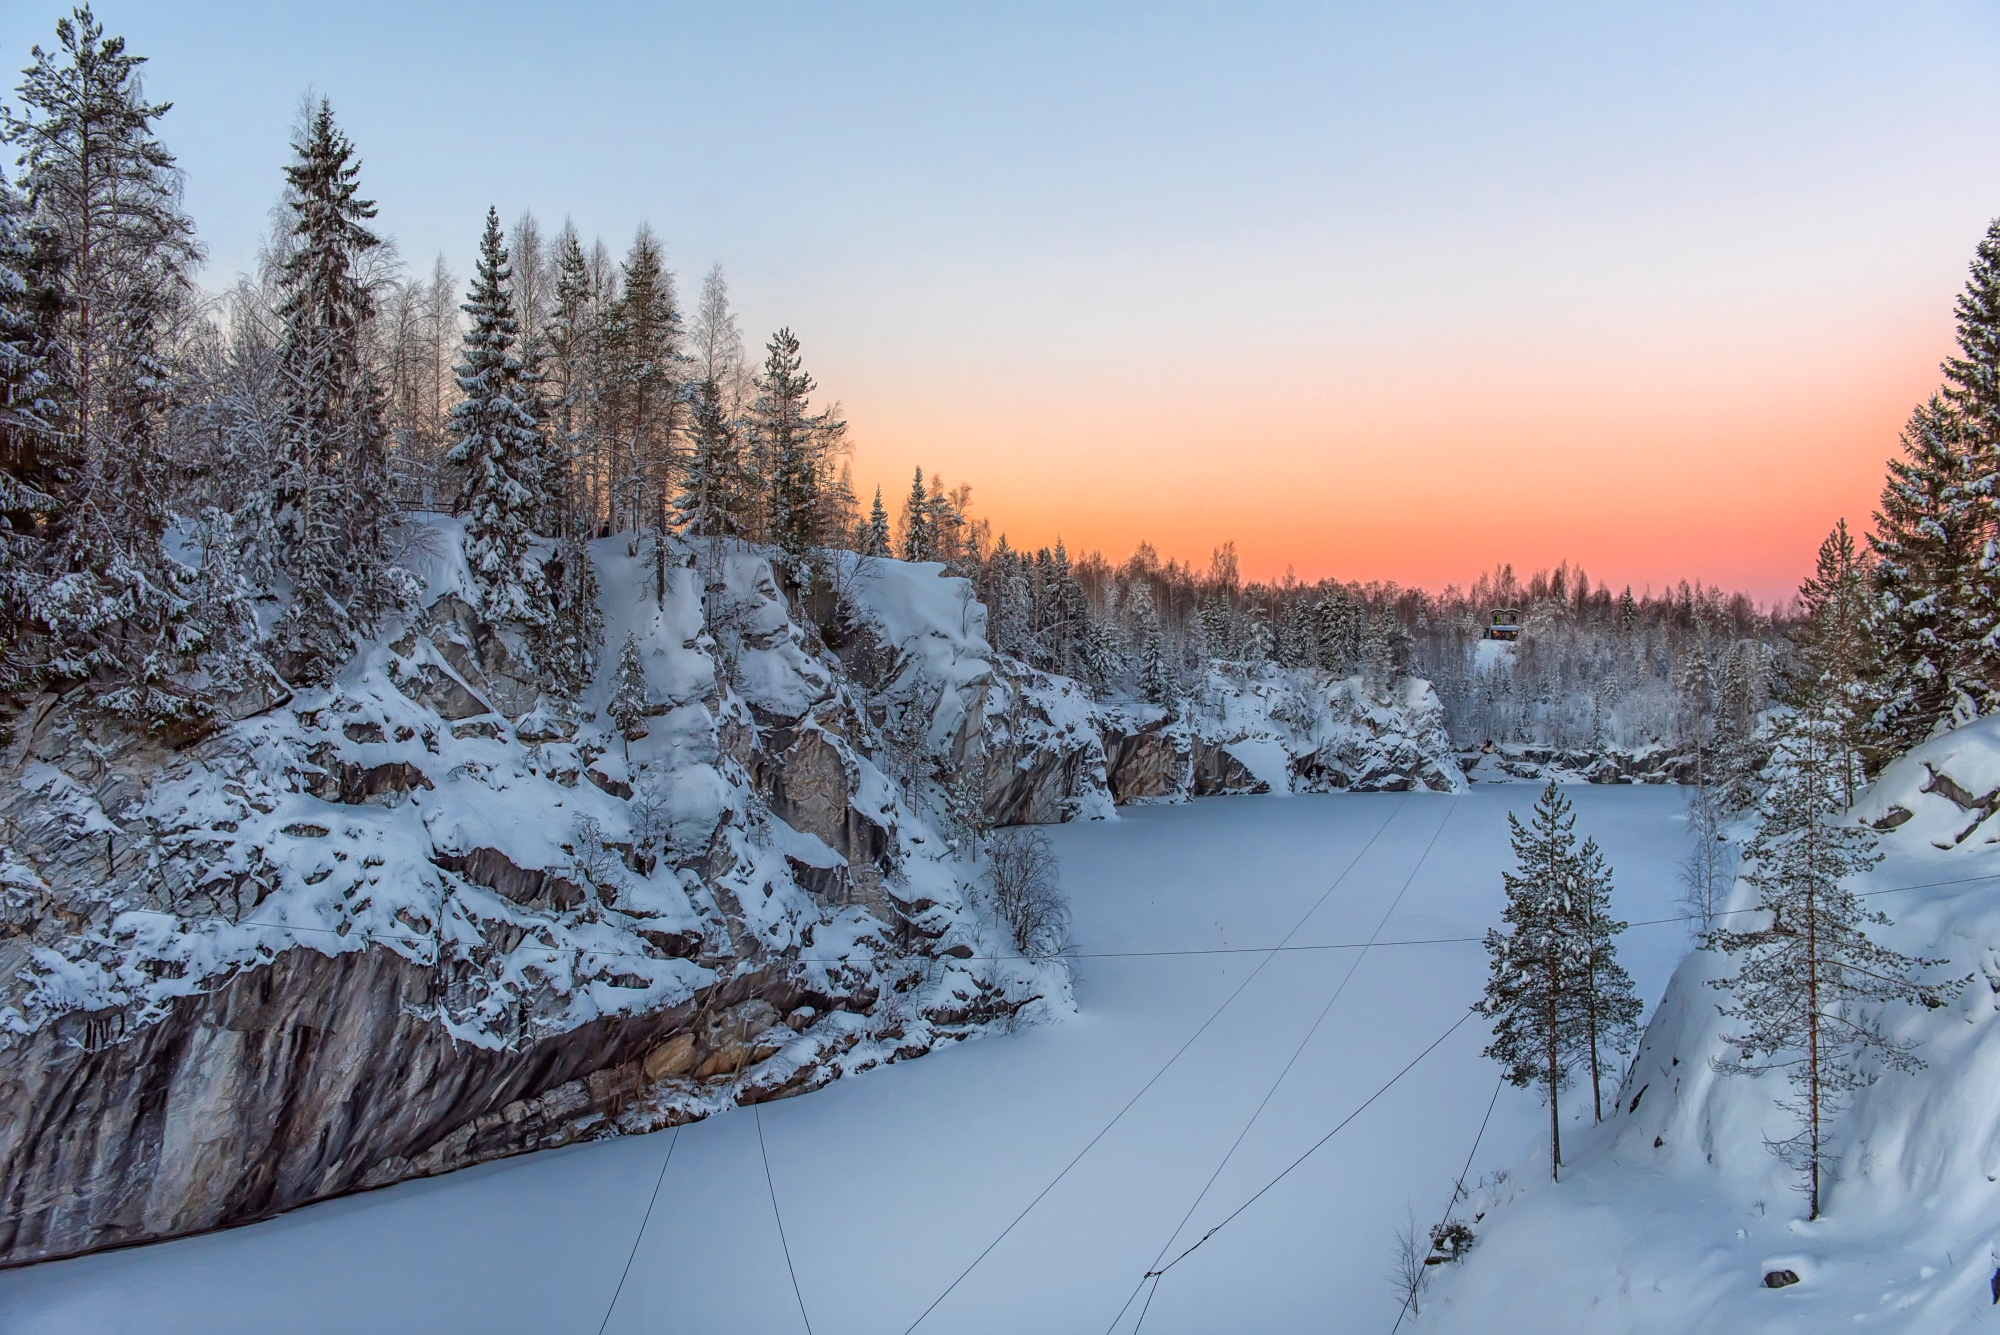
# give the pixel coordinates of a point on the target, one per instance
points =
(1681, 452)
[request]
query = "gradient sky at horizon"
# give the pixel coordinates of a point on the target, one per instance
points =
(1385, 292)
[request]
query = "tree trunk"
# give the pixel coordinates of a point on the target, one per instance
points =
(1555, 1079)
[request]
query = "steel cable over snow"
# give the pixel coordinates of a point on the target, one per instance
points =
(1230, 1217)
(1458, 1190)
(1119, 1115)
(776, 1214)
(638, 1237)
(1269, 1094)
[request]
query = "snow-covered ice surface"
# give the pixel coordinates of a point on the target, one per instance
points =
(891, 1184)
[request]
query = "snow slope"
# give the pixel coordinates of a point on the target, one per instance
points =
(1669, 1216)
(893, 1185)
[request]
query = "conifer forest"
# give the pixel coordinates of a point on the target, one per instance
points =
(477, 720)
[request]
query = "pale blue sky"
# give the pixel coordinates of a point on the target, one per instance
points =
(1096, 219)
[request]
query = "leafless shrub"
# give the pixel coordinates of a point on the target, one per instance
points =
(1027, 890)
(1407, 1273)
(591, 860)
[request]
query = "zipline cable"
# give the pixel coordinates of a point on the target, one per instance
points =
(775, 1214)
(1119, 1115)
(1326, 1010)
(650, 1203)
(1231, 1216)
(1457, 1191)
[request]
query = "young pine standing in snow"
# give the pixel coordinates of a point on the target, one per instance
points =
(500, 447)
(1805, 976)
(1556, 993)
(1610, 1010)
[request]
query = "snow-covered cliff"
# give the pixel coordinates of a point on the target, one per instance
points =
(424, 916)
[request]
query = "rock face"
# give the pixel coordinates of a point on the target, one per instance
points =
(384, 928)
(1253, 730)
(1528, 763)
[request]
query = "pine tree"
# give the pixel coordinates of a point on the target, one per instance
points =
(1805, 975)
(1926, 547)
(649, 366)
(1972, 391)
(109, 262)
(331, 503)
(1836, 641)
(919, 541)
(628, 694)
(795, 443)
(1532, 990)
(875, 537)
(499, 447)
(1610, 1009)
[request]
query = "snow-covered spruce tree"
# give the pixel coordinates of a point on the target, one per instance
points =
(1610, 1009)
(1156, 676)
(26, 480)
(332, 503)
(1836, 645)
(713, 479)
(1334, 627)
(628, 694)
(1926, 547)
(919, 542)
(567, 643)
(1806, 977)
(499, 447)
(1972, 390)
(1532, 993)
(575, 352)
(875, 534)
(795, 442)
(95, 595)
(649, 367)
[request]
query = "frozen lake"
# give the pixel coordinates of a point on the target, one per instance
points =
(891, 1184)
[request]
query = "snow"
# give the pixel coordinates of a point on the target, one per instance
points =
(893, 1183)
(1678, 1236)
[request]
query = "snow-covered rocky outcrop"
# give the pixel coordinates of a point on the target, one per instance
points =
(1256, 729)
(1669, 1216)
(424, 917)
(420, 918)
(1525, 762)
